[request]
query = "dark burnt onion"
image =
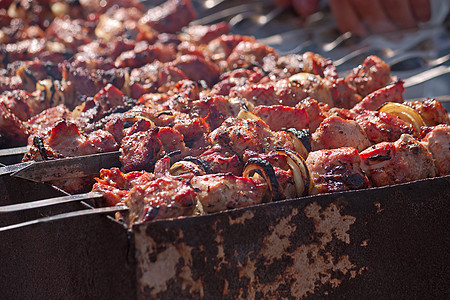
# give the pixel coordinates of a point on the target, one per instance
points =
(262, 167)
(190, 164)
(301, 140)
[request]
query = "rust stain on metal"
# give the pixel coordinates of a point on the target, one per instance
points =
(330, 222)
(247, 215)
(276, 243)
(220, 251)
(378, 206)
(157, 273)
(313, 264)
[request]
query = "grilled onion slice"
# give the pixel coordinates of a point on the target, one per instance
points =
(135, 118)
(300, 76)
(189, 165)
(300, 172)
(301, 140)
(263, 168)
(54, 92)
(405, 113)
(246, 115)
(198, 210)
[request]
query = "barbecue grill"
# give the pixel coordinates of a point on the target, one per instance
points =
(377, 243)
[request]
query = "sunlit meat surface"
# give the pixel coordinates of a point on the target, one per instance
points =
(114, 185)
(401, 161)
(239, 135)
(169, 17)
(219, 192)
(335, 132)
(383, 127)
(373, 101)
(317, 112)
(161, 198)
(372, 75)
(437, 142)
(48, 117)
(432, 112)
(13, 132)
(336, 170)
(140, 150)
(280, 117)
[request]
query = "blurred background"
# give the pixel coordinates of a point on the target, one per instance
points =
(421, 57)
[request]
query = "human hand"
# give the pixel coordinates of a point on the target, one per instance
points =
(362, 17)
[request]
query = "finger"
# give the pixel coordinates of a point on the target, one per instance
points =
(372, 13)
(305, 7)
(400, 13)
(421, 10)
(346, 17)
(283, 3)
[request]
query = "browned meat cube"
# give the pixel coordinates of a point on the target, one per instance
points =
(372, 75)
(438, 143)
(401, 161)
(336, 170)
(335, 132)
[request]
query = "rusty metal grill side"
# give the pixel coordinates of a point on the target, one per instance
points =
(375, 243)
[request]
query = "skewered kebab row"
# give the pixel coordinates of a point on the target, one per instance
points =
(183, 93)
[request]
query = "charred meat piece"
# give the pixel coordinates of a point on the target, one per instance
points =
(239, 135)
(219, 160)
(437, 142)
(383, 127)
(301, 86)
(317, 112)
(21, 103)
(114, 185)
(220, 48)
(218, 192)
(336, 170)
(72, 33)
(280, 117)
(203, 34)
(33, 71)
(143, 53)
(214, 110)
(23, 50)
(432, 112)
(63, 140)
(401, 161)
(13, 132)
(375, 100)
(197, 68)
(259, 94)
(316, 64)
(372, 75)
(169, 17)
(249, 52)
(347, 96)
(335, 132)
(141, 150)
(161, 198)
(47, 118)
